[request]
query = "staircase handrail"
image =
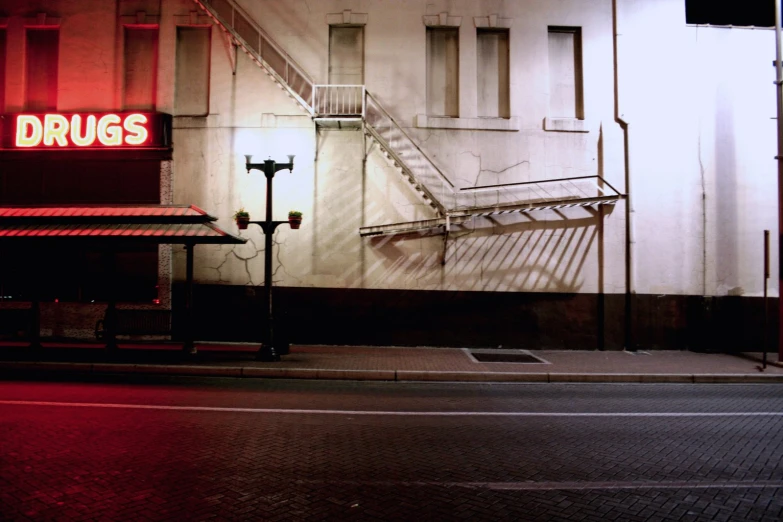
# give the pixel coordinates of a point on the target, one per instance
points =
(209, 7)
(553, 180)
(397, 125)
(421, 186)
(600, 184)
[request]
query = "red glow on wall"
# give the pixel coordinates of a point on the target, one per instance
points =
(82, 130)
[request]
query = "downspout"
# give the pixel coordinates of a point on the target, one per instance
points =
(630, 290)
(779, 157)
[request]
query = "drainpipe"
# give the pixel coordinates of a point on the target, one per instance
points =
(779, 157)
(630, 292)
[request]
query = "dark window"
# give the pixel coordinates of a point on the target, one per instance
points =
(192, 79)
(2, 70)
(141, 68)
(759, 13)
(492, 73)
(443, 71)
(565, 73)
(41, 69)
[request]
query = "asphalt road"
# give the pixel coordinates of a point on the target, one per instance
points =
(190, 449)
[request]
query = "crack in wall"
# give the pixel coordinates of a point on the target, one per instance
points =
(702, 179)
(429, 134)
(280, 265)
(482, 170)
(245, 261)
(503, 170)
(466, 182)
(703, 218)
(217, 268)
(100, 58)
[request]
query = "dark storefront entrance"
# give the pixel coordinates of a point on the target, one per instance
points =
(34, 238)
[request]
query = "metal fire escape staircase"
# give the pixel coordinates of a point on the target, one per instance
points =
(344, 103)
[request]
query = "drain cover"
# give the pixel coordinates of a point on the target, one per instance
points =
(512, 357)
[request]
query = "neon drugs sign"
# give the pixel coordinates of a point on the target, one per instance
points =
(82, 130)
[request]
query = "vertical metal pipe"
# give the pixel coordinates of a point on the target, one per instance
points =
(629, 340)
(189, 346)
(269, 172)
(779, 157)
(766, 306)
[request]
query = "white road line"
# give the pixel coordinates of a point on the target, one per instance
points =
(396, 413)
(557, 486)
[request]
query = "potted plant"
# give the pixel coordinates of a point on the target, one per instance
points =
(294, 218)
(242, 217)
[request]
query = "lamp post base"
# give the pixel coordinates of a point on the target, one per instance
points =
(267, 353)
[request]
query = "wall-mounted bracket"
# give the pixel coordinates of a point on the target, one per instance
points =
(231, 50)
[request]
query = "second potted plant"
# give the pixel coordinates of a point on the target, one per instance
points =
(294, 218)
(242, 217)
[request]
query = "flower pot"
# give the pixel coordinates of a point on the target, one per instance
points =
(242, 222)
(295, 222)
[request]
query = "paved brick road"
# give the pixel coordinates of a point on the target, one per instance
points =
(120, 463)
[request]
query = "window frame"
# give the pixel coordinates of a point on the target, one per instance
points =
(579, 101)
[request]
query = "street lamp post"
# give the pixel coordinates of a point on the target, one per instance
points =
(268, 351)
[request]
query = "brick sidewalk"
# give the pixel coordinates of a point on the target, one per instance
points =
(397, 364)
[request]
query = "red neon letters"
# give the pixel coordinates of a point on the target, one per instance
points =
(77, 130)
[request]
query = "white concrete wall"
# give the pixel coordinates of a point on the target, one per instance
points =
(504, 254)
(699, 104)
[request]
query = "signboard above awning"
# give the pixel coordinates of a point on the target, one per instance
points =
(85, 131)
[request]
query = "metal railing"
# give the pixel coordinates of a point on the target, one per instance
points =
(258, 44)
(338, 100)
(355, 101)
(550, 193)
(423, 173)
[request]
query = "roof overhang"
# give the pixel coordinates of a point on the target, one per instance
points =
(164, 224)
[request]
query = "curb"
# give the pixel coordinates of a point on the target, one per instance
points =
(20, 368)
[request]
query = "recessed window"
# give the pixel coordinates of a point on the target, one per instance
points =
(756, 13)
(141, 64)
(565, 73)
(2, 69)
(443, 71)
(192, 82)
(346, 55)
(42, 52)
(492, 70)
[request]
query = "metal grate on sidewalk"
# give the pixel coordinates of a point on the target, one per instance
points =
(505, 356)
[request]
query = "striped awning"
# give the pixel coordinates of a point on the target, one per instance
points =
(167, 224)
(104, 211)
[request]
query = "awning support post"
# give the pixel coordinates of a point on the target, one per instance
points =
(35, 322)
(35, 310)
(189, 347)
(110, 325)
